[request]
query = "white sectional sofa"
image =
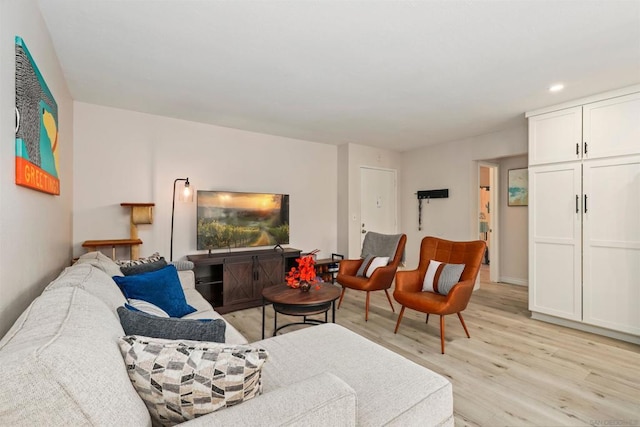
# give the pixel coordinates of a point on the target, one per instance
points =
(60, 365)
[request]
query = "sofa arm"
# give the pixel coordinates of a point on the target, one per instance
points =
(187, 279)
(322, 400)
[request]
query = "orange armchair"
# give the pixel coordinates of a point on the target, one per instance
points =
(408, 291)
(381, 279)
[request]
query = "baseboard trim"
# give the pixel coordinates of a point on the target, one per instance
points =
(514, 281)
(622, 336)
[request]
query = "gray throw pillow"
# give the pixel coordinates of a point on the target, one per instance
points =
(140, 323)
(365, 265)
(144, 268)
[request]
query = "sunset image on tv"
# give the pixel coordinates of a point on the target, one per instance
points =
(239, 220)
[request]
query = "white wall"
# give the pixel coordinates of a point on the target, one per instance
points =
(514, 226)
(35, 228)
(451, 165)
(358, 156)
(125, 156)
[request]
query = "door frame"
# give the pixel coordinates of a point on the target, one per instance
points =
(395, 191)
(494, 218)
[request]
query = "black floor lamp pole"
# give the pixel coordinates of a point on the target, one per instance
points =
(173, 208)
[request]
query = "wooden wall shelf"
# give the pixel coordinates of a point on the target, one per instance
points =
(93, 245)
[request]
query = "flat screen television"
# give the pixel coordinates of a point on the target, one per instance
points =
(227, 219)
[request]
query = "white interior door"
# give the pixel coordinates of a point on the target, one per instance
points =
(378, 201)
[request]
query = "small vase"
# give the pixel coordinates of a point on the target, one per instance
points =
(305, 286)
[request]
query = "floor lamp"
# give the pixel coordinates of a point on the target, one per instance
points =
(185, 195)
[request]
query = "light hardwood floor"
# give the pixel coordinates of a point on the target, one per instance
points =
(514, 371)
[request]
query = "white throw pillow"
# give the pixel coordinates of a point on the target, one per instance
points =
(147, 307)
(379, 261)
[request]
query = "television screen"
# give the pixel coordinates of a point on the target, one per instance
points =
(239, 220)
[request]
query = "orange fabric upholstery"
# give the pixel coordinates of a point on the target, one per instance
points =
(381, 279)
(408, 290)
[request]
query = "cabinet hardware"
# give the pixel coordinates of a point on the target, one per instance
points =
(585, 148)
(577, 149)
(577, 202)
(585, 203)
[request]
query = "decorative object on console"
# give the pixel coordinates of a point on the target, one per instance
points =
(161, 288)
(181, 380)
(186, 195)
(304, 275)
(136, 322)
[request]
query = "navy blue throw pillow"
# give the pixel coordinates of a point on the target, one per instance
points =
(161, 287)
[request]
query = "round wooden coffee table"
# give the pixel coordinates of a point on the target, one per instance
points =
(294, 302)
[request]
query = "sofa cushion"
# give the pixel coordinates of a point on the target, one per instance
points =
(161, 288)
(93, 280)
(391, 389)
(60, 365)
(148, 325)
(181, 380)
(205, 311)
(101, 261)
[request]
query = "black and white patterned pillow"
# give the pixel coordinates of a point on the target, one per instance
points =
(182, 380)
(131, 262)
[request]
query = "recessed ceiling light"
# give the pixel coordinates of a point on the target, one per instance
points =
(556, 87)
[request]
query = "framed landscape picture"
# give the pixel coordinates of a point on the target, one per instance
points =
(518, 184)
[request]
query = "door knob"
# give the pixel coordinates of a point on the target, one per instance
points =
(364, 231)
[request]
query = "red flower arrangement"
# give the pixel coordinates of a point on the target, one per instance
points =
(304, 273)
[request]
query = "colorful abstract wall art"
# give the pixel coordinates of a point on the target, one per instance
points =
(518, 187)
(37, 162)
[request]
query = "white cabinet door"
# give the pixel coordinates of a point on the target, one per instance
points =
(555, 240)
(611, 244)
(612, 127)
(555, 137)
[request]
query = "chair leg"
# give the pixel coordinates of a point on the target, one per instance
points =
(399, 319)
(341, 296)
(427, 321)
(463, 325)
(442, 333)
(366, 309)
(389, 298)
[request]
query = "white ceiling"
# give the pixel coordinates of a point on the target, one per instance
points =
(392, 74)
